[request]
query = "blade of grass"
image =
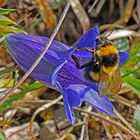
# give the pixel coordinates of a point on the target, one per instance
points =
(15, 97)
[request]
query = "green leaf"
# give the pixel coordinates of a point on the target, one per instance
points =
(2, 39)
(6, 21)
(136, 49)
(4, 30)
(2, 136)
(9, 101)
(133, 83)
(132, 66)
(133, 72)
(136, 120)
(16, 76)
(8, 26)
(6, 71)
(5, 11)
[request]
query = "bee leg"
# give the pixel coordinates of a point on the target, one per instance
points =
(86, 65)
(78, 63)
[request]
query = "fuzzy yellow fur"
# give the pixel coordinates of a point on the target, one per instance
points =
(110, 69)
(94, 76)
(106, 50)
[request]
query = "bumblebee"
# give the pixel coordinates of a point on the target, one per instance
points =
(103, 67)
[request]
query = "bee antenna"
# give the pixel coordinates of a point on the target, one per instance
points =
(109, 33)
(113, 28)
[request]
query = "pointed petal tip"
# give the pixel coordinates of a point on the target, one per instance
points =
(123, 57)
(69, 114)
(71, 120)
(88, 38)
(110, 109)
(101, 103)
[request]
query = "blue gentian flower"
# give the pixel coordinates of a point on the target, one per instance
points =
(57, 69)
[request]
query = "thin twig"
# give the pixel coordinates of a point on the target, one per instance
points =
(107, 130)
(105, 118)
(41, 55)
(124, 101)
(43, 107)
(84, 133)
(70, 129)
(119, 133)
(124, 121)
(109, 120)
(92, 6)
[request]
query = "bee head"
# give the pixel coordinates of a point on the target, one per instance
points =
(102, 42)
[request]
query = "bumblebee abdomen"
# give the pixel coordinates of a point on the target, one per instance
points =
(109, 60)
(94, 76)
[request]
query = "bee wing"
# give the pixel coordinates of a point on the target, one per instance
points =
(109, 83)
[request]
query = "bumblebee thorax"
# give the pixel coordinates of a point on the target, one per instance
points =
(106, 50)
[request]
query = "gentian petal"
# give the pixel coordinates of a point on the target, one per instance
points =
(88, 40)
(83, 56)
(76, 89)
(25, 49)
(68, 110)
(123, 57)
(57, 48)
(68, 106)
(73, 97)
(101, 103)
